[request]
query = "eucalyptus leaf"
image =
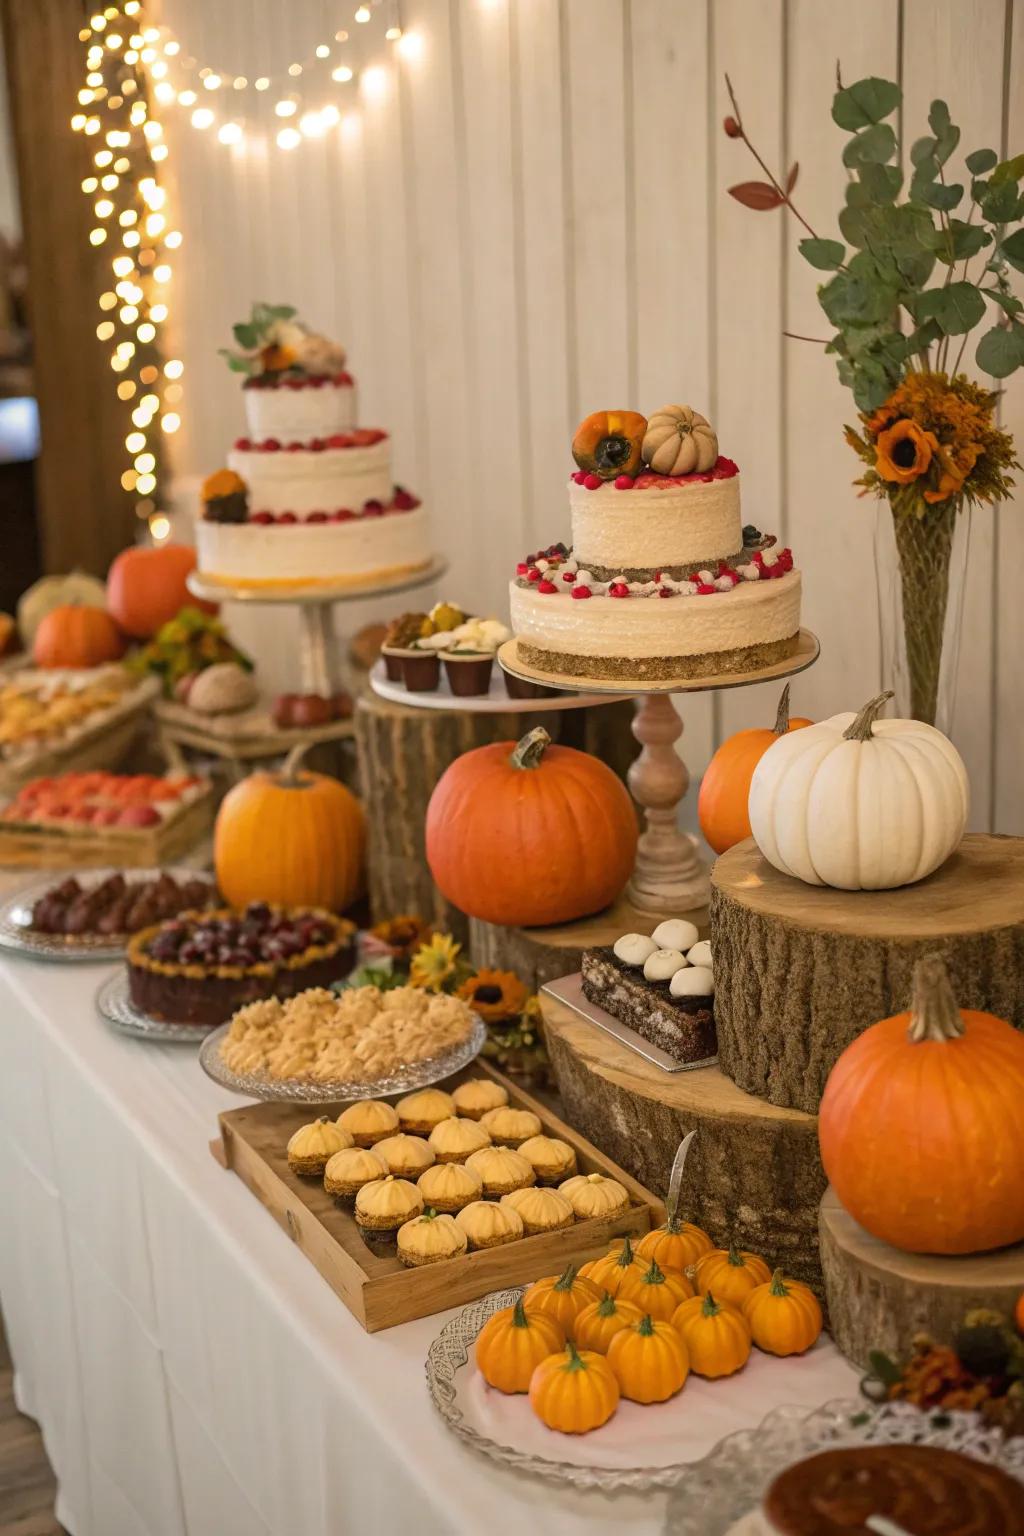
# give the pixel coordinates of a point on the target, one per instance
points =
(870, 390)
(923, 337)
(1007, 302)
(876, 145)
(960, 241)
(865, 102)
(246, 335)
(979, 186)
(860, 339)
(938, 118)
(922, 150)
(283, 311)
(825, 255)
(957, 307)
(981, 160)
(1012, 249)
(852, 298)
(947, 137)
(883, 182)
(1001, 350)
(999, 203)
(942, 197)
(1008, 170)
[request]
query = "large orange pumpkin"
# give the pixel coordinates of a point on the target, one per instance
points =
(294, 837)
(920, 1125)
(722, 802)
(76, 636)
(530, 834)
(146, 587)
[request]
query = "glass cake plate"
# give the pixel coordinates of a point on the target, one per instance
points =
(640, 1448)
(419, 1074)
(115, 1005)
(18, 937)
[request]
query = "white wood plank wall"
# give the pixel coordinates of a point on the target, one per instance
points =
(527, 221)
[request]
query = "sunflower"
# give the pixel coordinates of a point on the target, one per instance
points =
(904, 452)
(402, 935)
(494, 995)
(435, 963)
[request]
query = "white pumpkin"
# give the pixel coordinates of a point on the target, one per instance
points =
(859, 803)
(679, 441)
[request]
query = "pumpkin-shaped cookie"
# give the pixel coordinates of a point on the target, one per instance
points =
(406, 1156)
(784, 1316)
(347, 1171)
(452, 1141)
(650, 1360)
(475, 1097)
(599, 1321)
(591, 1194)
(487, 1225)
(449, 1186)
(512, 1343)
(574, 1392)
(429, 1239)
(551, 1158)
(657, 1291)
(369, 1121)
(509, 1127)
(562, 1297)
(674, 1245)
(312, 1146)
(716, 1334)
(679, 441)
(419, 1112)
(386, 1204)
(616, 1269)
(501, 1170)
(542, 1210)
(609, 443)
(731, 1274)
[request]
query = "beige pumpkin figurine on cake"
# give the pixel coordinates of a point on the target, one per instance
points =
(430, 1239)
(348, 1170)
(501, 1170)
(387, 1204)
(452, 1141)
(487, 1225)
(509, 1127)
(420, 1112)
(551, 1159)
(592, 1194)
(473, 1098)
(449, 1186)
(541, 1210)
(406, 1156)
(312, 1146)
(369, 1121)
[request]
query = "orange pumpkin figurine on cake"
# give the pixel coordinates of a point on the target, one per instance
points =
(609, 443)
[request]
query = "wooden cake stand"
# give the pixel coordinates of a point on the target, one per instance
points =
(669, 876)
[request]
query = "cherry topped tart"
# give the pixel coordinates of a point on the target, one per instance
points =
(201, 967)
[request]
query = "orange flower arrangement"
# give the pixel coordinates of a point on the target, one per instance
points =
(904, 451)
(403, 935)
(494, 995)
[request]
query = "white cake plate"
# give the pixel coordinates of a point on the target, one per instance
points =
(669, 877)
(318, 644)
(495, 701)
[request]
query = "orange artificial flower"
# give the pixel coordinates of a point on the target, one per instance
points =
(494, 995)
(904, 452)
(403, 935)
(954, 471)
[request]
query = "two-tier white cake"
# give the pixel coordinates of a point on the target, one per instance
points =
(309, 497)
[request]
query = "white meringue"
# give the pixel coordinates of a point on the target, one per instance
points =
(700, 954)
(633, 948)
(695, 981)
(676, 933)
(663, 964)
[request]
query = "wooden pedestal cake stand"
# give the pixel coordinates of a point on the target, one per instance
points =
(669, 876)
(801, 970)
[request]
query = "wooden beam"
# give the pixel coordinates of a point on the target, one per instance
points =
(85, 517)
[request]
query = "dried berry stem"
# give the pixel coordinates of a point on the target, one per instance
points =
(780, 189)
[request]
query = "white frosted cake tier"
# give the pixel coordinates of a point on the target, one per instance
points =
(646, 636)
(361, 550)
(663, 524)
(309, 480)
(298, 411)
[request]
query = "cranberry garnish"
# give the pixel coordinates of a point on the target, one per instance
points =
(287, 517)
(581, 591)
(316, 517)
(262, 517)
(593, 482)
(270, 445)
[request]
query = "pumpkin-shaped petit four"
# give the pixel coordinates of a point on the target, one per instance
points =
(552, 1160)
(542, 1210)
(369, 1121)
(387, 1204)
(475, 1097)
(312, 1146)
(406, 1156)
(591, 1194)
(501, 1170)
(454, 1140)
(419, 1112)
(449, 1186)
(430, 1238)
(348, 1170)
(486, 1225)
(509, 1127)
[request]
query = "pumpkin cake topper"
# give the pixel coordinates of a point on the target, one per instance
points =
(609, 443)
(679, 441)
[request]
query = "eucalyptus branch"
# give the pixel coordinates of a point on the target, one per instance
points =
(780, 189)
(819, 341)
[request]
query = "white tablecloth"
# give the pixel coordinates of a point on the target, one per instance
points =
(191, 1372)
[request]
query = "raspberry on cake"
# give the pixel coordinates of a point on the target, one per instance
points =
(654, 528)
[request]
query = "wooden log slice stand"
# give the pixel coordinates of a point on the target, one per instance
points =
(801, 970)
(878, 1297)
(753, 1176)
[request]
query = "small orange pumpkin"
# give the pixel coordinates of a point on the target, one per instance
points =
(613, 1268)
(557, 822)
(511, 1345)
(146, 586)
(716, 1334)
(575, 1391)
(76, 635)
(731, 1274)
(725, 787)
(1018, 1313)
(784, 1316)
(562, 1297)
(295, 837)
(610, 443)
(599, 1321)
(650, 1361)
(674, 1245)
(657, 1291)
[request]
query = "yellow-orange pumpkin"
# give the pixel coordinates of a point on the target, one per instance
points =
(650, 1361)
(610, 1271)
(675, 1245)
(722, 802)
(146, 587)
(77, 636)
(575, 1391)
(920, 1125)
(562, 1297)
(294, 837)
(657, 1291)
(599, 1321)
(511, 1345)
(530, 834)
(731, 1274)
(716, 1334)
(784, 1316)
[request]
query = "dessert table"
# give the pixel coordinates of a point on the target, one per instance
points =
(191, 1372)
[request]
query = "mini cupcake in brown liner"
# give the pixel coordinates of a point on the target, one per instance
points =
(551, 1159)
(369, 1121)
(421, 670)
(468, 672)
(510, 1127)
(406, 1156)
(452, 1141)
(348, 1170)
(430, 1239)
(541, 1210)
(487, 1225)
(312, 1146)
(419, 1112)
(473, 1098)
(501, 1170)
(449, 1186)
(387, 1204)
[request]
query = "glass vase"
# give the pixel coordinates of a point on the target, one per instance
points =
(920, 566)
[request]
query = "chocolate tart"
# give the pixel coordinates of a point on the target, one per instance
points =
(684, 1027)
(201, 967)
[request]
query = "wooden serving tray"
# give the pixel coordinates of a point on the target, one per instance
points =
(379, 1290)
(129, 848)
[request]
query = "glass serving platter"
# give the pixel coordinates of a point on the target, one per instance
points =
(17, 936)
(115, 1005)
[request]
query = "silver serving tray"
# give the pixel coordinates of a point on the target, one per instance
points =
(18, 938)
(569, 990)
